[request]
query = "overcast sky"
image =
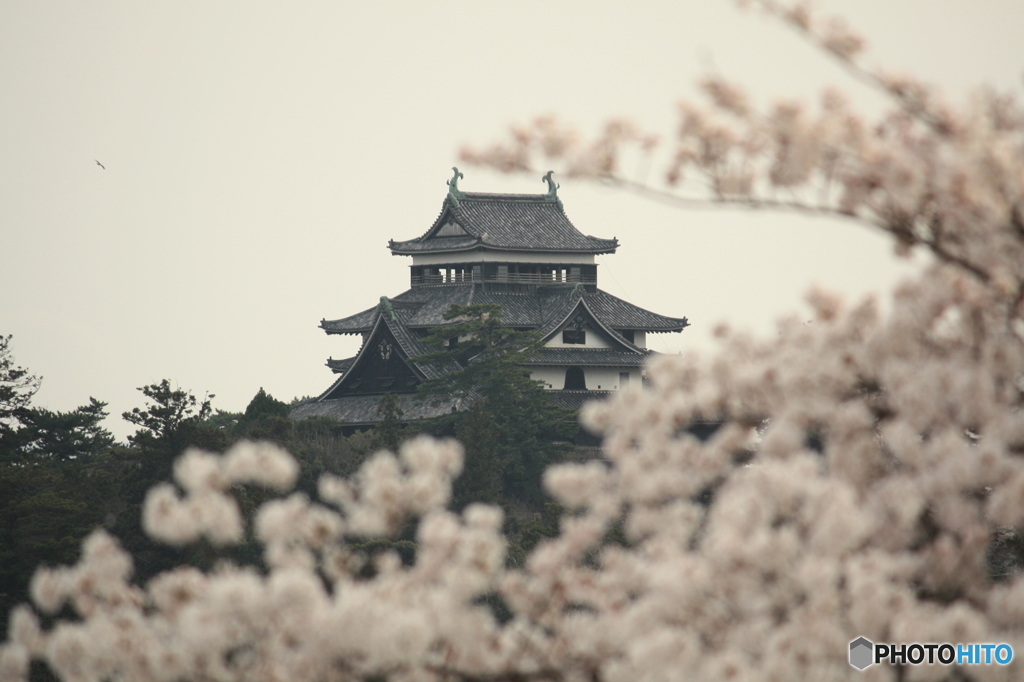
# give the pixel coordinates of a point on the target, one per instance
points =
(260, 155)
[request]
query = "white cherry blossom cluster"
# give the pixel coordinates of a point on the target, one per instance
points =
(310, 616)
(864, 473)
(207, 510)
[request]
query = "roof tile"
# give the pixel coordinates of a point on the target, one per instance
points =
(599, 357)
(424, 307)
(514, 222)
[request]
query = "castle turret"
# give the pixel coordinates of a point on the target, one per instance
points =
(519, 251)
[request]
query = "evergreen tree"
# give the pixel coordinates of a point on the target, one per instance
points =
(265, 418)
(62, 436)
(265, 404)
(171, 421)
(17, 387)
(55, 482)
(389, 430)
(509, 427)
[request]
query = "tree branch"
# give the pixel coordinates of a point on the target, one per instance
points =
(671, 199)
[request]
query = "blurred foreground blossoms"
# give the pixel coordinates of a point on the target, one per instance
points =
(875, 503)
(868, 478)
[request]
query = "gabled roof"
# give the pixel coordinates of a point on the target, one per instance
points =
(387, 325)
(504, 222)
(424, 307)
(619, 314)
(621, 349)
(412, 347)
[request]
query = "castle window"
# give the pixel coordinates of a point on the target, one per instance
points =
(575, 379)
(576, 336)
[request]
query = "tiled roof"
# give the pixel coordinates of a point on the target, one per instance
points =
(419, 307)
(340, 366)
(411, 347)
(619, 314)
(353, 324)
(362, 409)
(519, 309)
(574, 400)
(600, 357)
(423, 307)
(427, 305)
(511, 222)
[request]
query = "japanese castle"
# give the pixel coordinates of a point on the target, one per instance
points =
(519, 251)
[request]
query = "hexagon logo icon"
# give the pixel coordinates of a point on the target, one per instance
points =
(861, 653)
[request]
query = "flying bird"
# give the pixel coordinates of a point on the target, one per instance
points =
(100, 164)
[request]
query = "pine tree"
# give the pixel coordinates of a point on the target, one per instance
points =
(509, 427)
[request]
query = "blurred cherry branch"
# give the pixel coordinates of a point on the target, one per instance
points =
(926, 173)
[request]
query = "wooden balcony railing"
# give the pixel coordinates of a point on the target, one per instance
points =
(511, 278)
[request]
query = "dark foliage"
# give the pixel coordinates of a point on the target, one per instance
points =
(508, 426)
(62, 475)
(17, 387)
(62, 436)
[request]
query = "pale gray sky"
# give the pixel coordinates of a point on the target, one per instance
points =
(260, 155)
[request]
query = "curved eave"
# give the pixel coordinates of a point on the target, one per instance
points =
(343, 378)
(360, 323)
(613, 362)
(340, 366)
(334, 385)
(398, 251)
(363, 330)
(483, 246)
(346, 332)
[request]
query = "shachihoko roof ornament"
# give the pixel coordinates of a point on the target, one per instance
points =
(454, 193)
(552, 187)
(386, 309)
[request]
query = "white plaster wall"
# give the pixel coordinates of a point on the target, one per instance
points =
(481, 255)
(553, 377)
(595, 339)
(603, 378)
(635, 377)
(640, 338)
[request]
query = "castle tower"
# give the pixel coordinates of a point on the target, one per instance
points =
(519, 251)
